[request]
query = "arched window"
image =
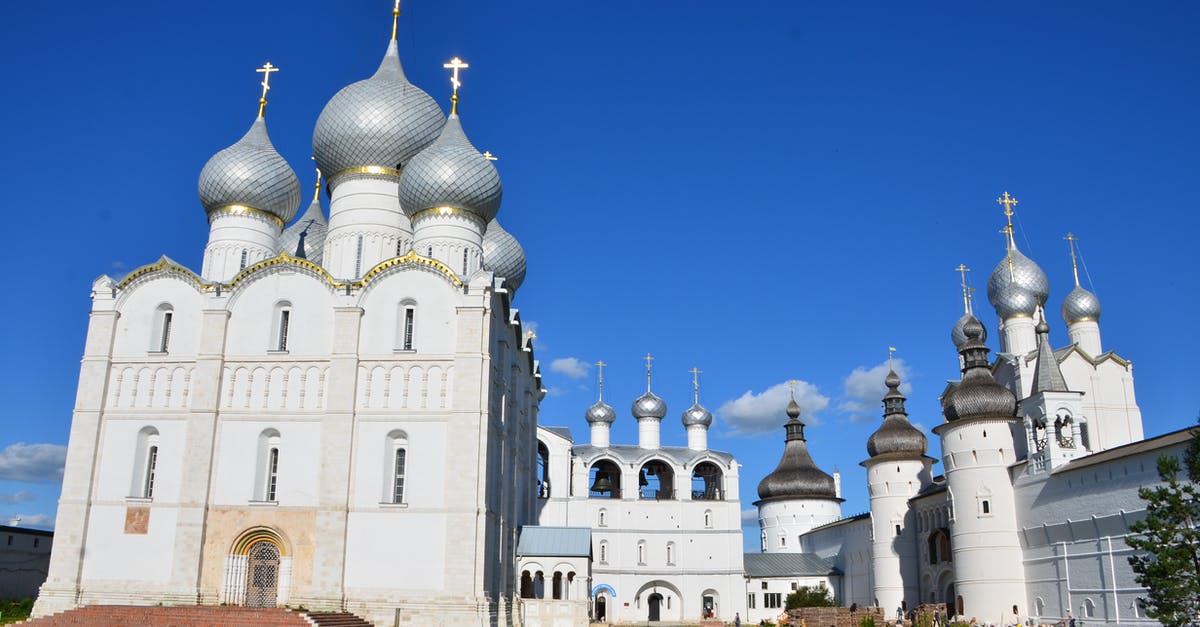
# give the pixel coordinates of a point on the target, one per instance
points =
(407, 320)
(656, 481)
(670, 553)
(267, 475)
(1039, 606)
(283, 323)
(557, 581)
(543, 470)
(1085, 438)
(145, 463)
(160, 340)
(641, 552)
(396, 462)
(242, 263)
(707, 482)
(1088, 609)
(605, 480)
(708, 519)
(464, 260)
(604, 552)
(1063, 426)
(603, 522)
(358, 256)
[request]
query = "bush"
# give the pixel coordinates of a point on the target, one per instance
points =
(811, 596)
(867, 621)
(15, 611)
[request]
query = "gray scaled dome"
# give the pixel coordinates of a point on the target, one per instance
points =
(977, 395)
(697, 415)
(1019, 292)
(600, 412)
(451, 173)
(958, 336)
(380, 121)
(896, 436)
(1081, 305)
(314, 227)
(649, 406)
(502, 254)
(796, 476)
(252, 174)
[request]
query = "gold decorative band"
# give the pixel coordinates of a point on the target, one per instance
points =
(444, 211)
(377, 170)
(1083, 319)
(243, 210)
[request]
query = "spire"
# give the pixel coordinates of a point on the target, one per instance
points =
(454, 65)
(1047, 376)
(266, 69)
(395, 18)
(1074, 266)
(600, 378)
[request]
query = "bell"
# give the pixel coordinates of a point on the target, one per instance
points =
(602, 484)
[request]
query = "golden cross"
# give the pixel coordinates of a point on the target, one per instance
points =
(648, 359)
(963, 270)
(696, 381)
(395, 18)
(1008, 202)
(792, 388)
(266, 69)
(600, 369)
(487, 154)
(455, 65)
(1074, 266)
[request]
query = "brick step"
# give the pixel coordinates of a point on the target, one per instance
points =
(172, 616)
(336, 619)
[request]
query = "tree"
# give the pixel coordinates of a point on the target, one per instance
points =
(1168, 541)
(810, 596)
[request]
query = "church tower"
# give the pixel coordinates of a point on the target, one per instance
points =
(1081, 312)
(978, 446)
(1017, 289)
(649, 410)
(601, 415)
(696, 419)
(1052, 413)
(797, 495)
(897, 470)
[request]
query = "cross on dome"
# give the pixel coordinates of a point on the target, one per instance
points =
(648, 359)
(966, 290)
(891, 353)
(487, 154)
(1008, 202)
(266, 69)
(1071, 239)
(600, 376)
(696, 381)
(454, 66)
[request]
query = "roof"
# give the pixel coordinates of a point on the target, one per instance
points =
(787, 565)
(555, 541)
(1142, 446)
(25, 530)
(845, 520)
(562, 432)
(632, 454)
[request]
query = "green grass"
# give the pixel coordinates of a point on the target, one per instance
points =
(15, 611)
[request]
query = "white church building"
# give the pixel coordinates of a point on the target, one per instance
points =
(329, 402)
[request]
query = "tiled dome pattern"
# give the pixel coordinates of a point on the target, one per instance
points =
(502, 254)
(251, 173)
(451, 173)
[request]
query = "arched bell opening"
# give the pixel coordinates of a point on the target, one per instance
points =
(604, 477)
(707, 482)
(656, 481)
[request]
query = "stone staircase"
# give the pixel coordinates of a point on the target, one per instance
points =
(194, 616)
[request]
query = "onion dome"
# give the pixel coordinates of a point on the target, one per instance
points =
(451, 173)
(251, 174)
(1081, 306)
(697, 415)
(796, 476)
(1019, 291)
(977, 395)
(649, 406)
(502, 254)
(958, 336)
(310, 229)
(382, 121)
(896, 436)
(600, 412)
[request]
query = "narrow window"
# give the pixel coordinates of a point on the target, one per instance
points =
(409, 314)
(707, 519)
(603, 552)
(285, 316)
(165, 338)
(764, 585)
(429, 251)
(782, 541)
(464, 261)
(35, 545)
(151, 465)
(987, 507)
(641, 550)
(272, 474)
(358, 257)
(897, 529)
(399, 243)
(603, 518)
(670, 553)
(398, 476)
(242, 264)
(750, 600)
(9, 540)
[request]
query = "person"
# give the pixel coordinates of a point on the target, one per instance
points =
(1070, 619)
(737, 619)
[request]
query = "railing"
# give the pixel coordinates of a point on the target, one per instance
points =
(657, 495)
(708, 495)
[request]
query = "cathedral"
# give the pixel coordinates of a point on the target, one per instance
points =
(342, 413)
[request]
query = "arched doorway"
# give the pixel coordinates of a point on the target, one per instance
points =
(601, 614)
(262, 574)
(654, 603)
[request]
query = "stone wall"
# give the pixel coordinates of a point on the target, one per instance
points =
(834, 616)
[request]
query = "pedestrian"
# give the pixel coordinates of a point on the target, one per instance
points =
(1070, 619)
(737, 619)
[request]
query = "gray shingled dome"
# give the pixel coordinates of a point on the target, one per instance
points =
(382, 121)
(958, 336)
(502, 254)
(977, 395)
(312, 221)
(600, 412)
(697, 415)
(649, 406)
(1018, 293)
(896, 436)
(1080, 305)
(451, 173)
(796, 476)
(251, 173)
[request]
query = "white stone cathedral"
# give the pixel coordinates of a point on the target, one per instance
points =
(331, 415)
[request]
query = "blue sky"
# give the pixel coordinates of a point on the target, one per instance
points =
(762, 190)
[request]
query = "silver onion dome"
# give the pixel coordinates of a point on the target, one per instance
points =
(382, 121)
(649, 406)
(251, 173)
(697, 415)
(451, 173)
(502, 254)
(796, 476)
(1019, 291)
(1080, 305)
(600, 412)
(978, 395)
(958, 336)
(896, 436)
(312, 223)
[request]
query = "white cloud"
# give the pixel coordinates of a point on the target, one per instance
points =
(12, 498)
(571, 367)
(765, 412)
(864, 390)
(750, 517)
(37, 521)
(33, 463)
